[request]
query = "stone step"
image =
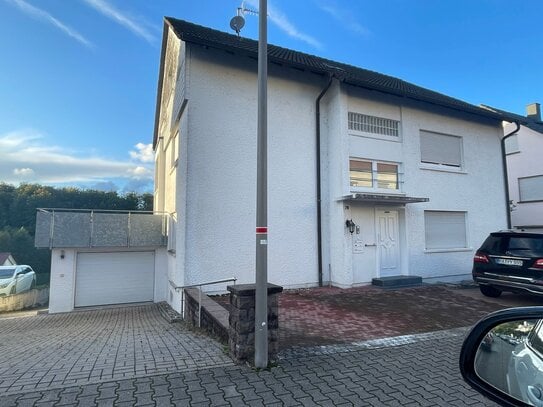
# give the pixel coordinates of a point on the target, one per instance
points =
(397, 281)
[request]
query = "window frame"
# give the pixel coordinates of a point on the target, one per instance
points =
(375, 177)
(466, 246)
(361, 133)
(427, 165)
(520, 189)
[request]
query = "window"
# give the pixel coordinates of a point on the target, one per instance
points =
(445, 230)
(372, 174)
(373, 124)
(174, 150)
(171, 233)
(531, 188)
(511, 144)
(440, 150)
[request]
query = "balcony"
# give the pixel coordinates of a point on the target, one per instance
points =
(82, 228)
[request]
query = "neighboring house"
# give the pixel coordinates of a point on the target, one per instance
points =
(368, 176)
(525, 168)
(6, 259)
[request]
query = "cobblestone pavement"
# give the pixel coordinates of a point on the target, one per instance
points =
(420, 370)
(320, 316)
(54, 351)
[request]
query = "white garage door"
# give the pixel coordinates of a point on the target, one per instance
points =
(114, 278)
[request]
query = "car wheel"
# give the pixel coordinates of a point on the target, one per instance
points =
(490, 291)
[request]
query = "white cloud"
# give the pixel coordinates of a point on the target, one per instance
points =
(23, 172)
(43, 15)
(140, 172)
(121, 18)
(281, 20)
(144, 153)
(344, 17)
(24, 154)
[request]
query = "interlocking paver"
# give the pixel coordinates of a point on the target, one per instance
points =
(97, 346)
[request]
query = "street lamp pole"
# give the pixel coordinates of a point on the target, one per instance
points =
(261, 292)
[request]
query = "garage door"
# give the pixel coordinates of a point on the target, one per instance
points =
(114, 278)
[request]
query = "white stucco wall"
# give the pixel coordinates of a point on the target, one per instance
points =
(63, 274)
(218, 191)
(526, 162)
(478, 189)
(221, 174)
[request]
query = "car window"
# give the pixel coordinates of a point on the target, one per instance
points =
(6, 273)
(536, 338)
(515, 245)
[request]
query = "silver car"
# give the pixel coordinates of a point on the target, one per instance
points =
(16, 279)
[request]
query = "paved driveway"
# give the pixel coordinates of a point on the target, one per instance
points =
(53, 351)
(323, 316)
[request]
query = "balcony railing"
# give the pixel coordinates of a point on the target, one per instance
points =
(80, 228)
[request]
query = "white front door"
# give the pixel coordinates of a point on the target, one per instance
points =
(388, 243)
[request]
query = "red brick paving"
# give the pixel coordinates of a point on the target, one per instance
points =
(319, 316)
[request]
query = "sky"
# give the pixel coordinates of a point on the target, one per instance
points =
(78, 78)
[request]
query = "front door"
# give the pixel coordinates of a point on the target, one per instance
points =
(388, 244)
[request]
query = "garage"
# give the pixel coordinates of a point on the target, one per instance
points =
(114, 278)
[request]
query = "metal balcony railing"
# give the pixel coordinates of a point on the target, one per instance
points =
(84, 228)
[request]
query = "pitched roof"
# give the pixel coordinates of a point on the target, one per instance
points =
(196, 34)
(525, 121)
(4, 257)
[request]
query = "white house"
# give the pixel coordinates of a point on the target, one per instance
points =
(368, 176)
(525, 168)
(418, 173)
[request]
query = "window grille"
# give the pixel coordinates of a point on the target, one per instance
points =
(374, 124)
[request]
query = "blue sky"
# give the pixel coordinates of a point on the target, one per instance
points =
(78, 77)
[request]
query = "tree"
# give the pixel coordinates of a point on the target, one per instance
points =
(18, 215)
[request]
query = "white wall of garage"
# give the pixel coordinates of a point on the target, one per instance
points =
(63, 276)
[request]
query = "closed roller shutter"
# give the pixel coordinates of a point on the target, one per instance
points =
(114, 278)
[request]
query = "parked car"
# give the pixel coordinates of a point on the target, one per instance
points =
(16, 279)
(525, 373)
(509, 261)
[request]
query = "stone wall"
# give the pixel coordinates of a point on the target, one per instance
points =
(242, 322)
(29, 299)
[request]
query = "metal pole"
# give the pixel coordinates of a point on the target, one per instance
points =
(261, 292)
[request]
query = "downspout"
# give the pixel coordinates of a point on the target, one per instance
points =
(505, 173)
(319, 203)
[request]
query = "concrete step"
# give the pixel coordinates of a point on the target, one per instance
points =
(397, 281)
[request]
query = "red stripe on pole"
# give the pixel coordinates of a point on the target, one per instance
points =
(261, 229)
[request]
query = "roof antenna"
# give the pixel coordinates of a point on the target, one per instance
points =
(238, 21)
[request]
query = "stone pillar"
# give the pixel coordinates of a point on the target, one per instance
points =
(242, 322)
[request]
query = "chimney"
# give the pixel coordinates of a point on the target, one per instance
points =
(533, 111)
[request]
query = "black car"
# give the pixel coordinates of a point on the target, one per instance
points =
(510, 261)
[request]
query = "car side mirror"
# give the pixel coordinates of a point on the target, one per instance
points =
(502, 357)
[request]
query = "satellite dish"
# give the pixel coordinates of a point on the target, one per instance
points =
(237, 23)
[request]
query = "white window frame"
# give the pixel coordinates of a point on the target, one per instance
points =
(530, 180)
(441, 166)
(374, 177)
(378, 124)
(437, 246)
